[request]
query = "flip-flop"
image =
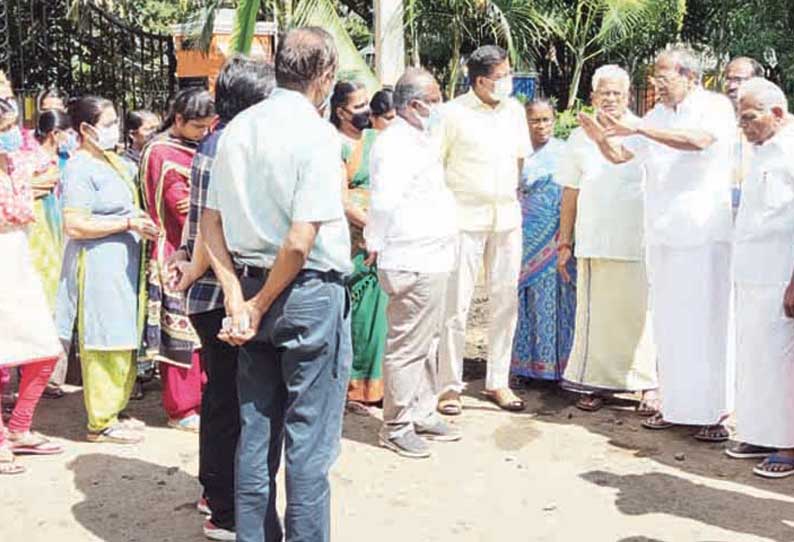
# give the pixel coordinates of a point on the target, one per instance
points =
(8, 465)
(775, 460)
(115, 435)
(743, 450)
(712, 433)
(512, 405)
(591, 403)
(648, 407)
(35, 444)
(657, 423)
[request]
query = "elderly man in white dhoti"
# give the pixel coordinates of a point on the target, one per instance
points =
(763, 266)
(613, 347)
(685, 143)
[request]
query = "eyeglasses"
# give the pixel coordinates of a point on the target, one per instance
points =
(737, 80)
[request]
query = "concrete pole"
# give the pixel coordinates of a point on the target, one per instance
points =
(389, 41)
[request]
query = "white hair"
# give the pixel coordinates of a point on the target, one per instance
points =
(612, 72)
(685, 59)
(767, 93)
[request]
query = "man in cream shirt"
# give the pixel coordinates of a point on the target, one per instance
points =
(484, 137)
(613, 347)
(686, 144)
(413, 229)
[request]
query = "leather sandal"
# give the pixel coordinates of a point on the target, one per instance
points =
(505, 399)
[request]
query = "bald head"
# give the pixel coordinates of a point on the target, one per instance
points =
(304, 56)
(738, 71)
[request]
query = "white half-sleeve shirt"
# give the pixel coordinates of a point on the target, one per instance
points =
(688, 193)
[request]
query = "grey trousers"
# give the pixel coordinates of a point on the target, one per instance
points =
(410, 366)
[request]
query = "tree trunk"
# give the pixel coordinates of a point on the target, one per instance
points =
(454, 62)
(576, 79)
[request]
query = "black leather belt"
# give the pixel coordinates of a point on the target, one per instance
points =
(261, 273)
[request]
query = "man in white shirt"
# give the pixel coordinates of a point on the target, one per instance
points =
(275, 219)
(686, 144)
(412, 228)
(763, 267)
(613, 347)
(484, 139)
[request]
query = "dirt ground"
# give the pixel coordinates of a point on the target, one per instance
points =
(550, 474)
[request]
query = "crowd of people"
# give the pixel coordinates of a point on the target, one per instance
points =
(287, 246)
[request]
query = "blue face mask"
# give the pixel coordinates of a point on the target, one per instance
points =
(11, 140)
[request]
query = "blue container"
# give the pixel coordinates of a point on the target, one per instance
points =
(525, 85)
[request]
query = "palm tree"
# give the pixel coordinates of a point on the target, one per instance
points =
(449, 28)
(587, 29)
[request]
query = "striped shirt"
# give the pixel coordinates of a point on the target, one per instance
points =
(205, 294)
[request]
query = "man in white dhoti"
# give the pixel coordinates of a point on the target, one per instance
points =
(613, 347)
(763, 266)
(686, 144)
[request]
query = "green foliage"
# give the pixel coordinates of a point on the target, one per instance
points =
(754, 28)
(568, 120)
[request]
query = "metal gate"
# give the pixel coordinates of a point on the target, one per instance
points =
(86, 52)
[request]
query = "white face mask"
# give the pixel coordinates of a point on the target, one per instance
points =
(432, 120)
(107, 137)
(503, 88)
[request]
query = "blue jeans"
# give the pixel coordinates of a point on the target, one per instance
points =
(292, 382)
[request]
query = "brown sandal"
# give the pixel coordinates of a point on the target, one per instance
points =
(657, 423)
(590, 403)
(712, 433)
(505, 399)
(449, 404)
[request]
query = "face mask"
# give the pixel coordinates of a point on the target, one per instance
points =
(106, 136)
(360, 120)
(503, 88)
(432, 120)
(11, 140)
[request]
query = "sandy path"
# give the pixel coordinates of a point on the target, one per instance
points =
(551, 474)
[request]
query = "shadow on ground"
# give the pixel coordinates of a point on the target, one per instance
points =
(659, 493)
(151, 496)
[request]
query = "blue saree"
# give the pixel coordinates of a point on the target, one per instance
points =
(546, 305)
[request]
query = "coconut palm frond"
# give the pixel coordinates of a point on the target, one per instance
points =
(245, 25)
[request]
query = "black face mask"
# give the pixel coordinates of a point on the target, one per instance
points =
(360, 120)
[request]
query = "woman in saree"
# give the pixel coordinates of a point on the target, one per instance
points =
(29, 338)
(547, 304)
(165, 182)
(350, 114)
(100, 288)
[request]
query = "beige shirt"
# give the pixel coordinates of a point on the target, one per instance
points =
(480, 148)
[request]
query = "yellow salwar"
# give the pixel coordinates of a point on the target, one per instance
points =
(108, 375)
